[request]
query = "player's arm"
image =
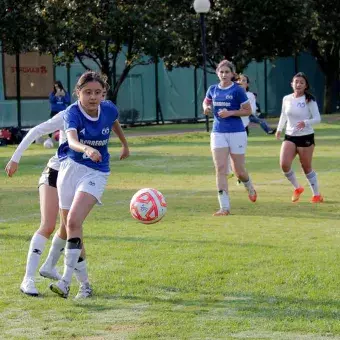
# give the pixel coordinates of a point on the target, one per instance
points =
(117, 129)
(74, 144)
(282, 121)
(245, 110)
(314, 110)
(51, 125)
(207, 103)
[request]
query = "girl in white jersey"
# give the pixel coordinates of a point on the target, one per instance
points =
(300, 112)
(229, 103)
(84, 166)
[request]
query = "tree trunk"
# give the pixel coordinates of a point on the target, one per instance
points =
(330, 81)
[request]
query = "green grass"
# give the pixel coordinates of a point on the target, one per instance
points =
(268, 271)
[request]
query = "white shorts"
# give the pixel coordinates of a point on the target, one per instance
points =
(235, 141)
(74, 177)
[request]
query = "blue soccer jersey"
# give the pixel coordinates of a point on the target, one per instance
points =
(94, 132)
(230, 98)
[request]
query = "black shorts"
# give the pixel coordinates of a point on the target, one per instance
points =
(49, 177)
(301, 141)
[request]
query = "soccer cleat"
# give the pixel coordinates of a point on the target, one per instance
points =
(271, 132)
(297, 193)
(317, 199)
(221, 212)
(28, 287)
(252, 195)
(62, 288)
(49, 273)
(84, 292)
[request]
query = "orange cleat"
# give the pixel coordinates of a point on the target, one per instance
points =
(253, 196)
(317, 199)
(221, 212)
(297, 193)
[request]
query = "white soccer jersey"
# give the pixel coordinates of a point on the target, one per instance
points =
(252, 102)
(295, 110)
(51, 125)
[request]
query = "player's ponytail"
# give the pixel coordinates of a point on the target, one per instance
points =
(308, 95)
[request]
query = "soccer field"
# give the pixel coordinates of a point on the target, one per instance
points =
(268, 271)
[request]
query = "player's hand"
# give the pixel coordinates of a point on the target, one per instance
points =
(207, 111)
(300, 125)
(278, 135)
(93, 154)
(224, 113)
(125, 153)
(11, 168)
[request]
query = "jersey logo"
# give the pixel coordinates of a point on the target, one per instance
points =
(301, 105)
(82, 131)
(229, 96)
(106, 131)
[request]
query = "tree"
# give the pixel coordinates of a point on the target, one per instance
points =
(20, 26)
(239, 30)
(324, 44)
(103, 30)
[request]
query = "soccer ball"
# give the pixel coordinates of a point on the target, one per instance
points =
(48, 144)
(148, 206)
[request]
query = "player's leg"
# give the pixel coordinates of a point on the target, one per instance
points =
(287, 155)
(238, 146)
(306, 156)
(49, 212)
(220, 154)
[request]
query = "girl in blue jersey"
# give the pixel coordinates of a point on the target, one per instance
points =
(84, 168)
(229, 103)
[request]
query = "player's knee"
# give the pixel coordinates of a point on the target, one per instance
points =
(73, 224)
(285, 167)
(306, 168)
(46, 228)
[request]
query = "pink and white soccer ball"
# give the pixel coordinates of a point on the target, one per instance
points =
(148, 206)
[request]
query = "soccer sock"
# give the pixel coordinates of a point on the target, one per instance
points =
(36, 248)
(313, 182)
(72, 253)
(223, 200)
(80, 271)
(292, 178)
(249, 186)
(57, 247)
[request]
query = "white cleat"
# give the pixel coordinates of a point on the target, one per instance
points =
(62, 288)
(49, 273)
(84, 292)
(28, 287)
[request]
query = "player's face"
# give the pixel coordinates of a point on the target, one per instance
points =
(225, 75)
(242, 81)
(299, 85)
(90, 96)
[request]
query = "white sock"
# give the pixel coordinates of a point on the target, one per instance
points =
(249, 186)
(36, 248)
(80, 272)
(70, 261)
(57, 247)
(292, 178)
(313, 182)
(223, 200)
